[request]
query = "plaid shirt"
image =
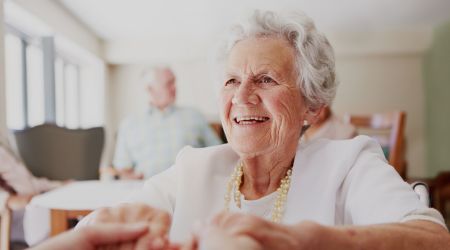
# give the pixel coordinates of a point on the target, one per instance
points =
(150, 141)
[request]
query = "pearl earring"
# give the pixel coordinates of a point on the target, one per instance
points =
(234, 100)
(304, 127)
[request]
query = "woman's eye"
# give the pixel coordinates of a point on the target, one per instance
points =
(231, 81)
(267, 80)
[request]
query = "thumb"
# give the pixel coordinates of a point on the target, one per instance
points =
(114, 233)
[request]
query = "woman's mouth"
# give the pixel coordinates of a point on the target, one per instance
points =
(249, 120)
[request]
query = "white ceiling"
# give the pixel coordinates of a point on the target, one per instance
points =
(136, 31)
(114, 20)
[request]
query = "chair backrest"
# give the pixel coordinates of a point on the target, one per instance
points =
(440, 190)
(389, 130)
(60, 153)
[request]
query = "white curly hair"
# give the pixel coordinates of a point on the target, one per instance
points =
(314, 54)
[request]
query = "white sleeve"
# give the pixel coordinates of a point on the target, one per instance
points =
(429, 214)
(375, 193)
(159, 191)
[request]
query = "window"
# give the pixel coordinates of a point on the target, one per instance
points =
(14, 82)
(49, 79)
(24, 81)
(59, 92)
(35, 86)
(78, 86)
(71, 93)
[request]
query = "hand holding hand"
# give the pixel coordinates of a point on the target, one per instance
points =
(266, 234)
(157, 221)
(215, 238)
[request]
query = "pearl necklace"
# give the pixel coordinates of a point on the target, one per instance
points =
(234, 184)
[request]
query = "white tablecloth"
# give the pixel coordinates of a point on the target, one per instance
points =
(82, 195)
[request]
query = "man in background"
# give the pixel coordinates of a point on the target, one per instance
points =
(148, 143)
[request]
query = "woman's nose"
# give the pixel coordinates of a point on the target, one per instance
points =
(245, 94)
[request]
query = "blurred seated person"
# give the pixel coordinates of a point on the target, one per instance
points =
(148, 143)
(329, 126)
(18, 186)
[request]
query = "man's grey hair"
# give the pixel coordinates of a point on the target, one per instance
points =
(314, 54)
(148, 75)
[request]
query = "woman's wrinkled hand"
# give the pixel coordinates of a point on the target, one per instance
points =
(158, 222)
(258, 233)
(213, 237)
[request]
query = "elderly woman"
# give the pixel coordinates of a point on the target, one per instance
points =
(277, 193)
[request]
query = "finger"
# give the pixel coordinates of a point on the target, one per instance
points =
(217, 238)
(268, 234)
(148, 242)
(177, 246)
(219, 218)
(101, 215)
(132, 212)
(127, 245)
(238, 224)
(160, 224)
(245, 224)
(114, 233)
(244, 242)
(229, 220)
(191, 244)
(143, 243)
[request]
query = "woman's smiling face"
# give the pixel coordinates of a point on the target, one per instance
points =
(262, 109)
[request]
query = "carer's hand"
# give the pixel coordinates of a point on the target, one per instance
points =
(94, 237)
(157, 221)
(267, 234)
(212, 237)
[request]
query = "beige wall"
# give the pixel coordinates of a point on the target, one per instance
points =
(2, 77)
(437, 75)
(384, 83)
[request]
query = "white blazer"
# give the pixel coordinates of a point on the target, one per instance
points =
(342, 182)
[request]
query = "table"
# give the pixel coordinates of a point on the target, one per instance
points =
(73, 201)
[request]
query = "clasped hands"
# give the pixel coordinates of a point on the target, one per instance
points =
(224, 231)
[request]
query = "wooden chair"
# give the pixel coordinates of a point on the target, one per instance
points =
(5, 228)
(388, 129)
(15, 202)
(441, 192)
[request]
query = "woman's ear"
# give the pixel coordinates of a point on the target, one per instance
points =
(312, 114)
